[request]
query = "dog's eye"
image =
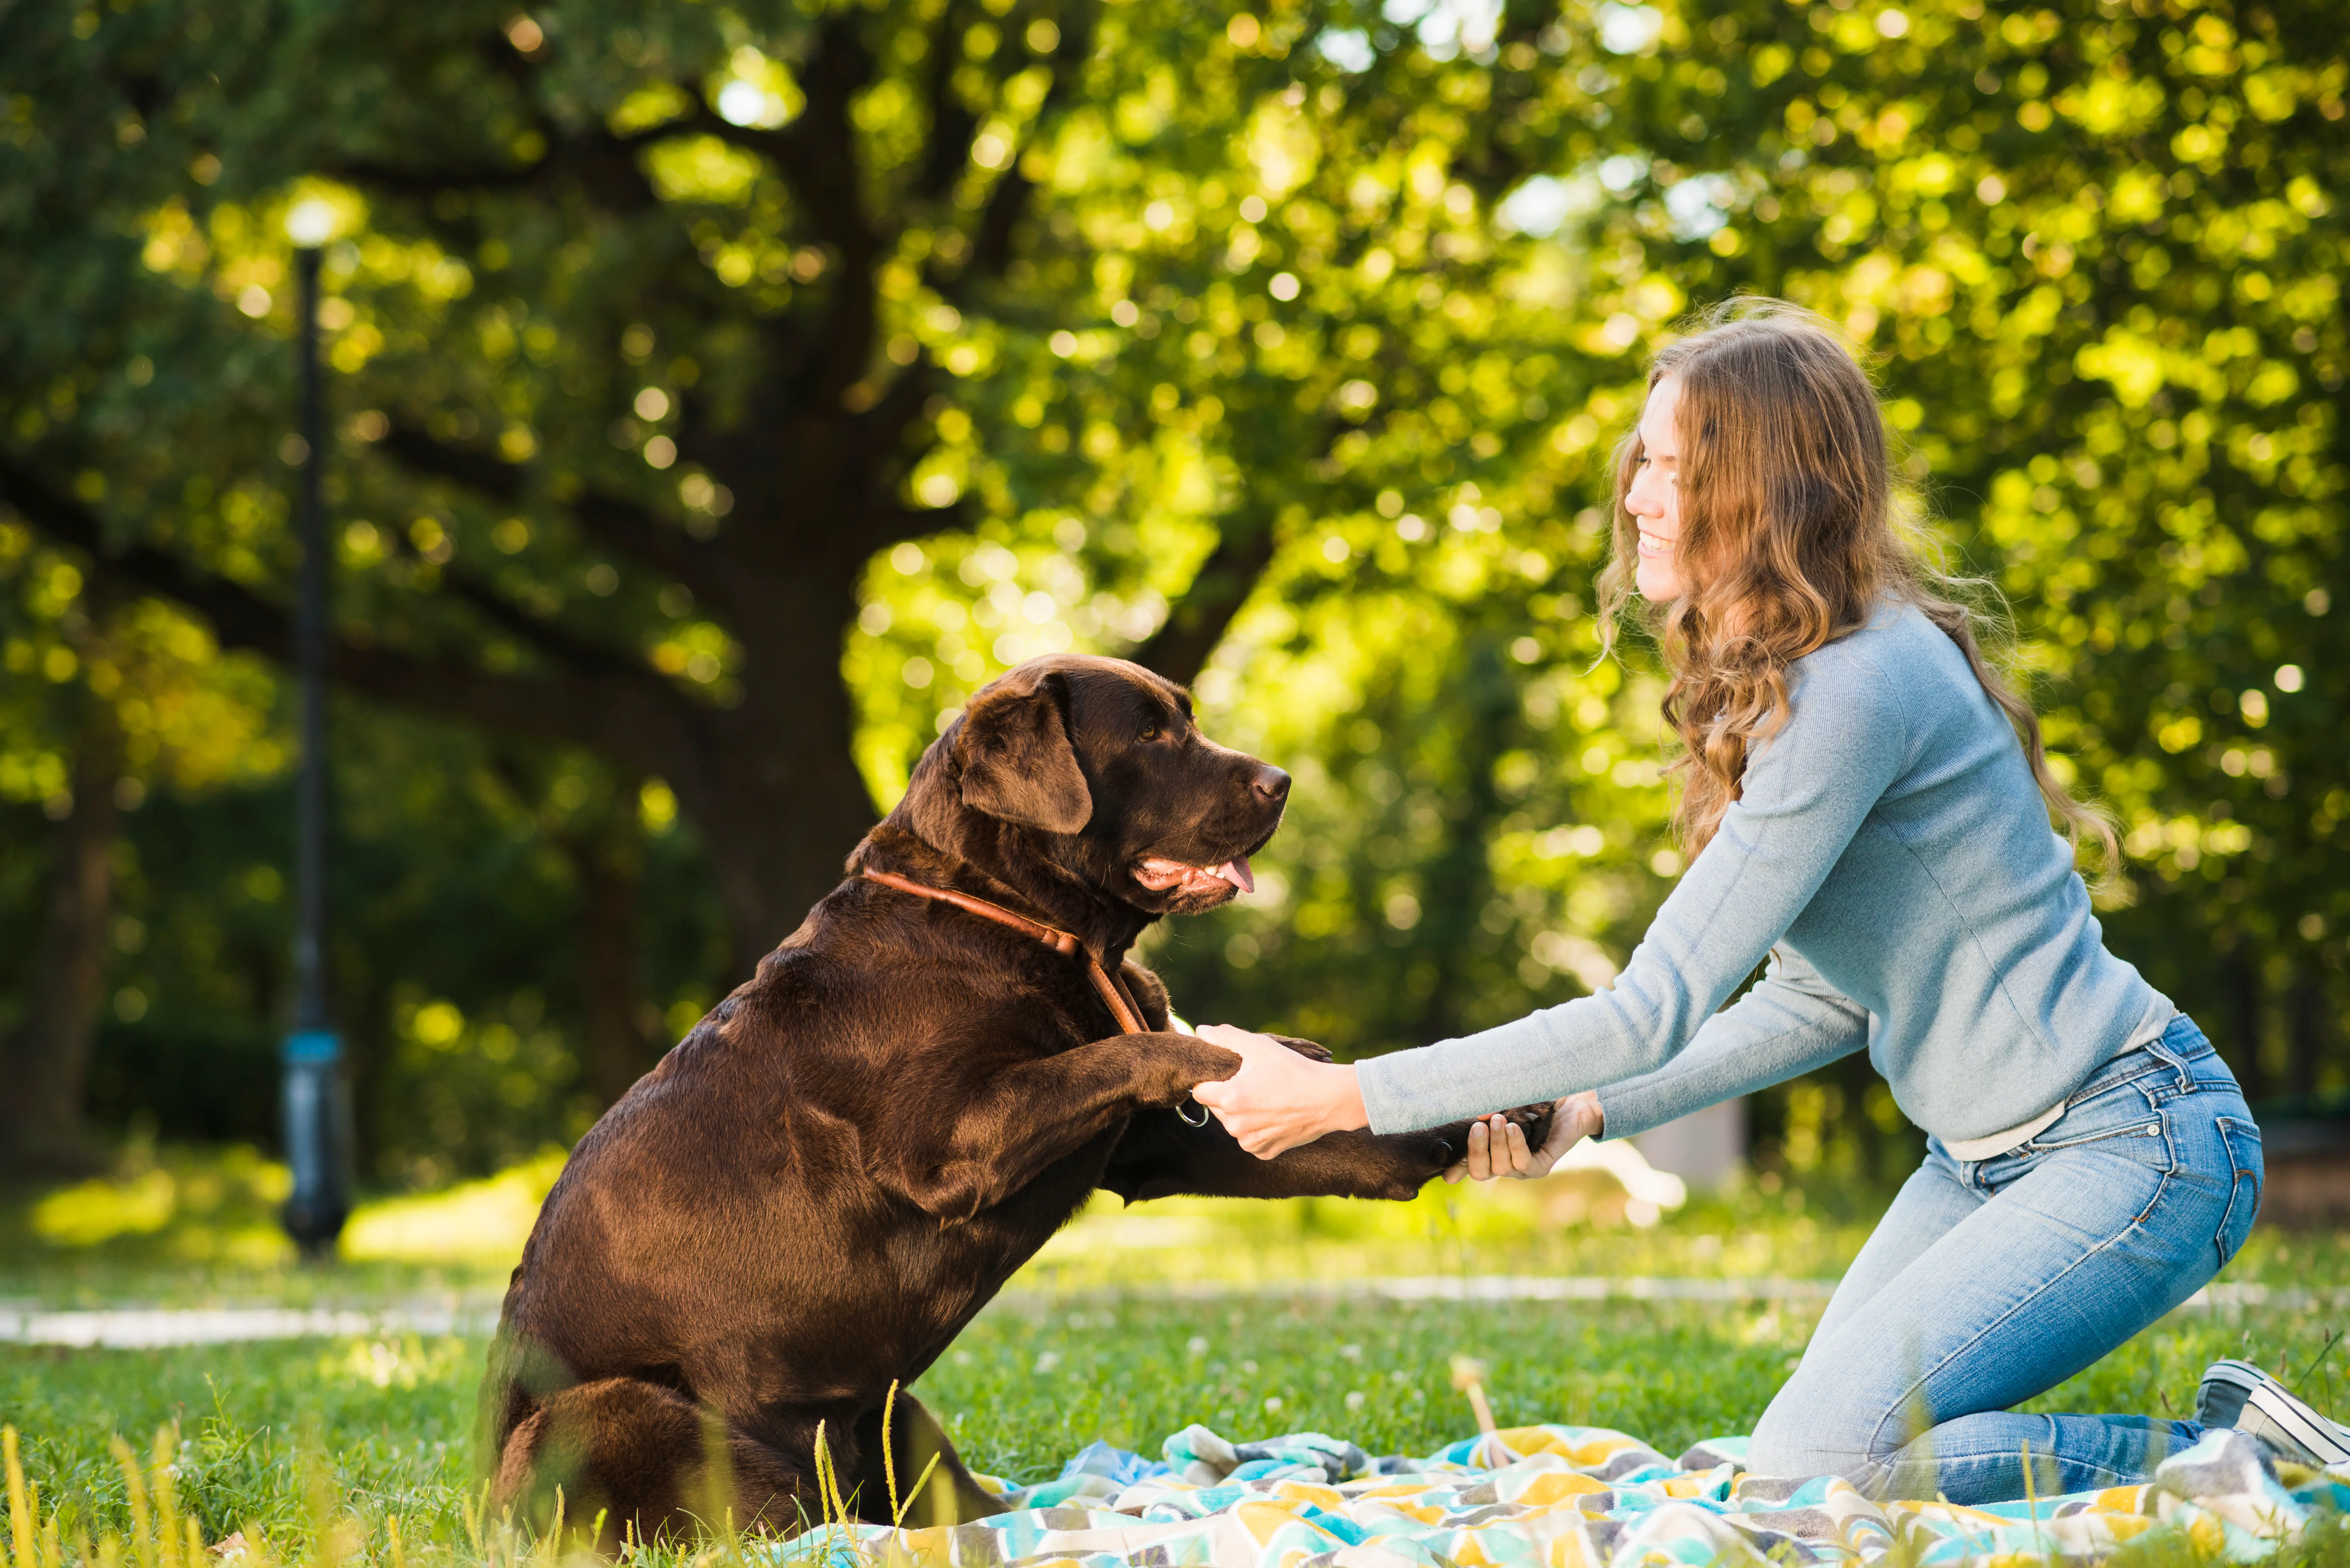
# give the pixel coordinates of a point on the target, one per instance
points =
(1150, 732)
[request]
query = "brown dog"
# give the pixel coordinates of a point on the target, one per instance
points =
(817, 1190)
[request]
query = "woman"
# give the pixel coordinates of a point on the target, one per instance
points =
(1868, 806)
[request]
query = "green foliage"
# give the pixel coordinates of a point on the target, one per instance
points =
(705, 491)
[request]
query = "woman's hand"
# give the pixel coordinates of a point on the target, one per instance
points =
(1497, 1146)
(1278, 1099)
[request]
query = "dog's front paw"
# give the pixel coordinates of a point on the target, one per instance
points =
(1532, 1121)
(1453, 1140)
(1182, 1061)
(1305, 1048)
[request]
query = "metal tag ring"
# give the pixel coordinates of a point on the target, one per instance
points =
(1186, 1120)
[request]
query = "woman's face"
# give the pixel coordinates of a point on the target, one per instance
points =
(1654, 498)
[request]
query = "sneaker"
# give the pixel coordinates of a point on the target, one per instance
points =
(2238, 1394)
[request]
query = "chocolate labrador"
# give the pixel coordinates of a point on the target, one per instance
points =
(817, 1188)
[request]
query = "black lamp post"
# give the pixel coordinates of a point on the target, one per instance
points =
(316, 1100)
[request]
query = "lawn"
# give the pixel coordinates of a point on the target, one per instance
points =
(1133, 1325)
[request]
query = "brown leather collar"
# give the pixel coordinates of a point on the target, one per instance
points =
(1113, 991)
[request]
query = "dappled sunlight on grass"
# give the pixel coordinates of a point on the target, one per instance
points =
(218, 1205)
(187, 1226)
(1572, 1223)
(405, 1362)
(99, 1210)
(475, 1222)
(200, 1226)
(315, 1448)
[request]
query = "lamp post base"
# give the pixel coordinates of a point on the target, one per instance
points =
(316, 1107)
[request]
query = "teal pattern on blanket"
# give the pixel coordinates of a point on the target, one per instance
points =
(1561, 1497)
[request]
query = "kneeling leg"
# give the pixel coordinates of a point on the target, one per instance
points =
(631, 1457)
(949, 1497)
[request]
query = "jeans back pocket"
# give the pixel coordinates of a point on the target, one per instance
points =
(2243, 1139)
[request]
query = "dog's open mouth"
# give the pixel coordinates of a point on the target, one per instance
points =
(1162, 876)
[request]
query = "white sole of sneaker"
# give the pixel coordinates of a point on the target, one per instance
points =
(2299, 1422)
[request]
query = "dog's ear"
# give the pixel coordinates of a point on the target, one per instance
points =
(1016, 760)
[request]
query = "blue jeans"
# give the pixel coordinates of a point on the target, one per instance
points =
(1990, 1282)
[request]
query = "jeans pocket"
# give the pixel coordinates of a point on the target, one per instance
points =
(2119, 1114)
(2243, 1139)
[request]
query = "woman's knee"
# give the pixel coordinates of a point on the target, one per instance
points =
(1821, 1425)
(1783, 1449)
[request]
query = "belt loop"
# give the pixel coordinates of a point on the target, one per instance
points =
(2159, 1048)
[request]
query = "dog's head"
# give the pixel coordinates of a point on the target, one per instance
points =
(1096, 766)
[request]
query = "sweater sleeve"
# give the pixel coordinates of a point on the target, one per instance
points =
(1791, 1021)
(1806, 792)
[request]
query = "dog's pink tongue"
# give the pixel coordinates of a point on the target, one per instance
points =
(1236, 872)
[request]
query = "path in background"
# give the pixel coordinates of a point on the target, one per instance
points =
(144, 1328)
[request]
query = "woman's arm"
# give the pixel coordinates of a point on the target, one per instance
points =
(1791, 1021)
(1806, 792)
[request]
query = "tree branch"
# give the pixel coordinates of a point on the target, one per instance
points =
(239, 616)
(635, 716)
(605, 165)
(877, 430)
(1180, 650)
(579, 654)
(817, 151)
(951, 125)
(991, 245)
(402, 181)
(885, 525)
(1245, 548)
(617, 521)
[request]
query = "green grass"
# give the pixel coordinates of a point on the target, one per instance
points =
(319, 1445)
(179, 1227)
(383, 1423)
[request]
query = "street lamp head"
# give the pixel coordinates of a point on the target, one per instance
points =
(310, 222)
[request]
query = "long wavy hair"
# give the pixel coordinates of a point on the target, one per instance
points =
(1793, 532)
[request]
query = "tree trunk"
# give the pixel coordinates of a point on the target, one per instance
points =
(1460, 880)
(365, 1013)
(775, 790)
(611, 989)
(47, 1063)
(2311, 1027)
(2244, 981)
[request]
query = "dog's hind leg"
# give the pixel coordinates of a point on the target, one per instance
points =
(633, 1458)
(949, 1497)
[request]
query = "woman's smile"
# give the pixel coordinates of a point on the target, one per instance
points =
(1654, 500)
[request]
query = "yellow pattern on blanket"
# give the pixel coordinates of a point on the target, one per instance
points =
(1558, 1497)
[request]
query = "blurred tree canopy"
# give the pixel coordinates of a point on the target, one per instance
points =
(723, 391)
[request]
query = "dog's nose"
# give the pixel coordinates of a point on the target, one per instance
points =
(1271, 782)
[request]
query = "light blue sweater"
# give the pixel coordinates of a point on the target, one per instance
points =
(1892, 856)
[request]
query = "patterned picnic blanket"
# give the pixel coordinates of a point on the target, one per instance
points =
(1563, 1497)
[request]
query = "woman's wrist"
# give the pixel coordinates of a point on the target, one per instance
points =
(1347, 1112)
